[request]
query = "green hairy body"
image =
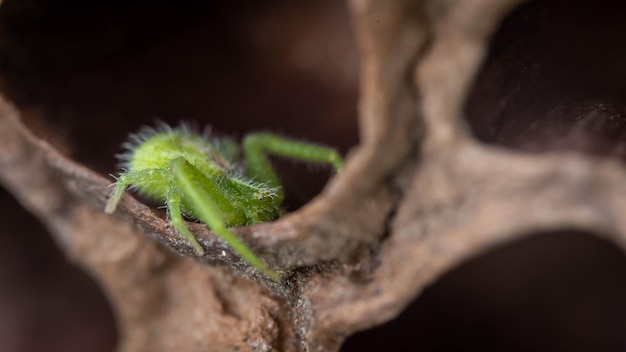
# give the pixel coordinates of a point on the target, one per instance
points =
(203, 178)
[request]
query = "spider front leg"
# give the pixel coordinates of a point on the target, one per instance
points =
(176, 217)
(202, 205)
(256, 145)
(173, 202)
(123, 181)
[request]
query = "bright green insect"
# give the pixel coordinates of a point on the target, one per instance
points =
(203, 178)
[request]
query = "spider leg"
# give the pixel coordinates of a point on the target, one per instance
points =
(176, 217)
(256, 145)
(122, 182)
(207, 211)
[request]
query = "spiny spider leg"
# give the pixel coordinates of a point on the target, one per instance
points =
(206, 210)
(176, 217)
(173, 202)
(256, 145)
(124, 181)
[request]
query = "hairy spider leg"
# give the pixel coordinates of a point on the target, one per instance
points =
(256, 145)
(176, 217)
(126, 179)
(173, 202)
(209, 213)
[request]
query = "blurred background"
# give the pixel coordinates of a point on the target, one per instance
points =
(85, 74)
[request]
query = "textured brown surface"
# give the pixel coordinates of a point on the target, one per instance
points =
(419, 195)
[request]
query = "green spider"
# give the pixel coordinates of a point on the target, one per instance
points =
(202, 178)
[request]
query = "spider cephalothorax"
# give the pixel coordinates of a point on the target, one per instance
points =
(203, 178)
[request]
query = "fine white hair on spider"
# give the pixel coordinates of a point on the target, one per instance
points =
(203, 177)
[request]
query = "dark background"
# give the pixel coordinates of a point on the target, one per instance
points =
(85, 74)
